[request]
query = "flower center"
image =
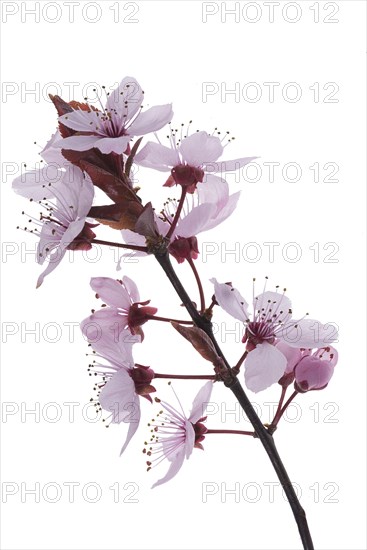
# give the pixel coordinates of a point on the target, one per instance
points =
(257, 332)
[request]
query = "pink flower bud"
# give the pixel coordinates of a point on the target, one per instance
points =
(312, 373)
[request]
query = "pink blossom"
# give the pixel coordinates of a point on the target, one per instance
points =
(271, 321)
(125, 310)
(174, 435)
(40, 183)
(191, 159)
(123, 382)
(64, 225)
(209, 207)
(111, 129)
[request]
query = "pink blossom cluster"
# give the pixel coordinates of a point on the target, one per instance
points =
(96, 148)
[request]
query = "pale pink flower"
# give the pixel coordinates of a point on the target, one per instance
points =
(191, 159)
(174, 435)
(64, 225)
(271, 321)
(40, 183)
(207, 208)
(125, 310)
(123, 382)
(111, 129)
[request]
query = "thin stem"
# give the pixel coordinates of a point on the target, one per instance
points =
(235, 386)
(168, 320)
(186, 376)
(120, 245)
(214, 303)
(281, 410)
(241, 432)
(274, 422)
(200, 286)
(236, 369)
(177, 215)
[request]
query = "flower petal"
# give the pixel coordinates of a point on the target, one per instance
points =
(114, 346)
(309, 333)
(224, 213)
(112, 145)
(157, 156)
(125, 99)
(174, 468)
(196, 220)
(79, 143)
(200, 148)
(328, 354)
(214, 190)
(51, 153)
(293, 355)
(224, 166)
(82, 121)
(86, 196)
(131, 288)
(230, 300)
(111, 292)
(106, 321)
(55, 258)
(133, 426)
(200, 402)
(264, 366)
(118, 397)
(151, 120)
(274, 302)
(313, 373)
(35, 183)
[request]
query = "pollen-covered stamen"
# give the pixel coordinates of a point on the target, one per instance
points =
(168, 435)
(170, 207)
(272, 314)
(223, 136)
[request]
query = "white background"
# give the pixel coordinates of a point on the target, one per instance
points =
(173, 53)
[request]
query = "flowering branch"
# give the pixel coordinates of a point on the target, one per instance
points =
(234, 385)
(96, 148)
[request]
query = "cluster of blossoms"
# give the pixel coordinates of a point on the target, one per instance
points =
(96, 147)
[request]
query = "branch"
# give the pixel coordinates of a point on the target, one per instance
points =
(234, 385)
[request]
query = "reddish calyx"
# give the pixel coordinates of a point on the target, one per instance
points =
(184, 248)
(83, 241)
(200, 430)
(137, 315)
(142, 377)
(186, 176)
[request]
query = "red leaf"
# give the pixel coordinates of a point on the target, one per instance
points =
(200, 340)
(117, 216)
